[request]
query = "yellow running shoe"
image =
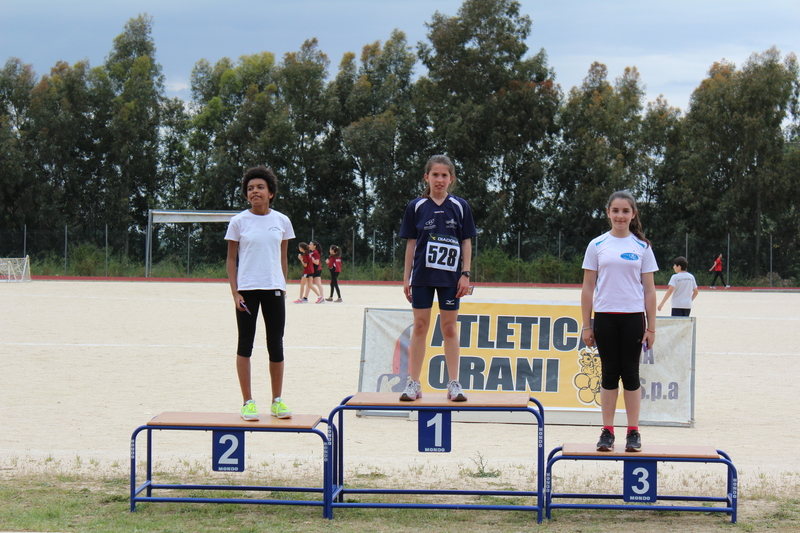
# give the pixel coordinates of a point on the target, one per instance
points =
(280, 410)
(249, 411)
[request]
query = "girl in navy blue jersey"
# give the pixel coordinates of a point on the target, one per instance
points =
(438, 227)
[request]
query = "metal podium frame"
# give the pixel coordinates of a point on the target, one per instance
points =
(391, 403)
(717, 456)
(195, 422)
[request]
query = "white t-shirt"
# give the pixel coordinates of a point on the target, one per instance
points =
(260, 238)
(619, 263)
(685, 285)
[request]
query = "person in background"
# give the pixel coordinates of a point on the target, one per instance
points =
(682, 288)
(334, 263)
(717, 269)
(305, 276)
(316, 276)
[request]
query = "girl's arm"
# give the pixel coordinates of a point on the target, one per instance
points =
(411, 245)
(587, 301)
(230, 268)
(648, 281)
(666, 297)
(466, 262)
(285, 260)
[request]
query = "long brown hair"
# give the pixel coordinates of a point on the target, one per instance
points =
(636, 223)
(437, 160)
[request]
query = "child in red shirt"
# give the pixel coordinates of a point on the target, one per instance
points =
(334, 263)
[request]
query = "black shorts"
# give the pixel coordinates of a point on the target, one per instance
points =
(619, 344)
(422, 297)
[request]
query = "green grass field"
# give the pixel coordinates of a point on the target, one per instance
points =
(78, 503)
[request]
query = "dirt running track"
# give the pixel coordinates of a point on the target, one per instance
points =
(83, 363)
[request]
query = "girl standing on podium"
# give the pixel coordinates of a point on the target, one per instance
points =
(259, 236)
(438, 227)
(618, 285)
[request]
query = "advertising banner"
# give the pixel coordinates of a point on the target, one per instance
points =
(535, 347)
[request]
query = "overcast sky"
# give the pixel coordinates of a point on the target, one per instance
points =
(672, 43)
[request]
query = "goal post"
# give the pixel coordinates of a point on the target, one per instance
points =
(177, 216)
(15, 269)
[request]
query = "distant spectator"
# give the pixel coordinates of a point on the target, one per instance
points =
(682, 288)
(717, 268)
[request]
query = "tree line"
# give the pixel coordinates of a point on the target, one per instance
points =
(94, 147)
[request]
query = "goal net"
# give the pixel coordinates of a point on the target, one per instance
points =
(15, 269)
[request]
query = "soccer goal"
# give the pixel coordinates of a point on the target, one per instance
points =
(15, 269)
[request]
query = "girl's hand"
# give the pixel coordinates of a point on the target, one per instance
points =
(463, 287)
(588, 337)
(238, 301)
(649, 337)
(407, 291)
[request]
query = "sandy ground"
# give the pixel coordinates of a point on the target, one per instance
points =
(82, 364)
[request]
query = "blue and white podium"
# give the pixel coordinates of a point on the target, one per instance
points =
(228, 445)
(434, 411)
(640, 479)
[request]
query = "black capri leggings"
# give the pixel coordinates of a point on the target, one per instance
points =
(335, 283)
(619, 343)
(273, 308)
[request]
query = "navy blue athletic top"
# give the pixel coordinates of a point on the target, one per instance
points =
(439, 230)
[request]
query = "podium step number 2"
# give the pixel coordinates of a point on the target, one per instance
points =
(434, 431)
(228, 451)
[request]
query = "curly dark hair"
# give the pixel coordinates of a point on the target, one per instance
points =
(261, 172)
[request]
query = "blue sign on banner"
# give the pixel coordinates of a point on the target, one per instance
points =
(228, 451)
(640, 479)
(434, 431)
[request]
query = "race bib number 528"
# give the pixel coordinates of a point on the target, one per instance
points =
(443, 253)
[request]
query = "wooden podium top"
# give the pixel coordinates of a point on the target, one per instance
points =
(651, 450)
(233, 420)
(439, 399)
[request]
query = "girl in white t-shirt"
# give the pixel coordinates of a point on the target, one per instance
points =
(618, 286)
(259, 237)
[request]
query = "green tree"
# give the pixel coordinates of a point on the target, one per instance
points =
(232, 103)
(492, 110)
(734, 147)
(599, 149)
(17, 190)
(377, 143)
(296, 134)
(131, 180)
(659, 183)
(63, 136)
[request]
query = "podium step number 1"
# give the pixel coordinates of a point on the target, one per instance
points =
(434, 431)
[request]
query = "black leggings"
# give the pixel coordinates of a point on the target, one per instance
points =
(335, 283)
(273, 308)
(717, 274)
(619, 344)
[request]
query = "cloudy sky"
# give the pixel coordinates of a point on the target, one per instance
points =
(671, 42)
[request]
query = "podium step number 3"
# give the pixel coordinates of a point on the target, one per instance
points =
(434, 431)
(640, 481)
